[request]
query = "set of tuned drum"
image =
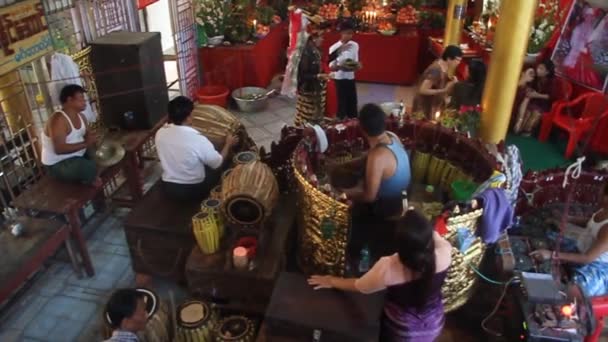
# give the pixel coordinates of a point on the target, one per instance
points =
(245, 198)
(192, 321)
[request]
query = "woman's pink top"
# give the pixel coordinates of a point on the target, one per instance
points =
(389, 270)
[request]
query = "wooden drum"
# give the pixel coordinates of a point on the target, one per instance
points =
(195, 322)
(158, 328)
(249, 193)
(216, 123)
(235, 329)
(245, 157)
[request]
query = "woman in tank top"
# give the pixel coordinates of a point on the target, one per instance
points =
(413, 278)
(591, 273)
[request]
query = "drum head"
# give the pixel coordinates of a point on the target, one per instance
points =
(244, 210)
(245, 157)
(193, 314)
(234, 328)
(211, 203)
(150, 299)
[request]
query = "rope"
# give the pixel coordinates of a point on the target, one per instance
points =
(574, 170)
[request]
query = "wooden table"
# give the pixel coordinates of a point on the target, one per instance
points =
(23, 255)
(52, 196)
(213, 276)
(159, 234)
(134, 143)
(296, 312)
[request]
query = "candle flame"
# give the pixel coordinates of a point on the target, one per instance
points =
(437, 114)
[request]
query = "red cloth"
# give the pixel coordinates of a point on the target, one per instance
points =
(385, 59)
(246, 65)
(331, 97)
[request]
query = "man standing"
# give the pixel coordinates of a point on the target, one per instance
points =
(66, 139)
(378, 198)
(342, 58)
(190, 163)
(126, 310)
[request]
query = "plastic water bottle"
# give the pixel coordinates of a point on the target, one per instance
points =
(364, 262)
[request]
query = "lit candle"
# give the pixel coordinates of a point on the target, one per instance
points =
(255, 22)
(437, 114)
(239, 258)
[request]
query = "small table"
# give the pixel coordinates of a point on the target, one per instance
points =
(134, 143)
(23, 255)
(214, 275)
(296, 312)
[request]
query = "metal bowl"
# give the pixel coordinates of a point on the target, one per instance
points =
(250, 99)
(391, 107)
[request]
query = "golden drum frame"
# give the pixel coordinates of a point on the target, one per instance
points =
(328, 256)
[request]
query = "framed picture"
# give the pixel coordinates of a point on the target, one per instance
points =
(581, 53)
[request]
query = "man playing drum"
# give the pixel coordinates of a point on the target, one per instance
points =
(190, 163)
(126, 311)
(378, 198)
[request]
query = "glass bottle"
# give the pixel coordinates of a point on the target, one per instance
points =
(364, 263)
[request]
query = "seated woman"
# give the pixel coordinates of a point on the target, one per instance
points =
(520, 105)
(413, 278)
(469, 92)
(591, 273)
(540, 96)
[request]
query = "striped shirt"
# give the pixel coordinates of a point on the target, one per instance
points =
(122, 336)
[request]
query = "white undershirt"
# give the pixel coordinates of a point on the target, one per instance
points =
(183, 154)
(351, 53)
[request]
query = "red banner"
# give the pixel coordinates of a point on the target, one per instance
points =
(141, 4)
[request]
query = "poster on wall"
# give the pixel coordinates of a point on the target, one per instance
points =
(581, 53)
(24, 34)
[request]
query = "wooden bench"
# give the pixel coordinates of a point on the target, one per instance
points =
(159, 234)
(23, 255)
(52, 196)
(213, 276)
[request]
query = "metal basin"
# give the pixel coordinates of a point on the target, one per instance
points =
(250, 99)
(391, 107)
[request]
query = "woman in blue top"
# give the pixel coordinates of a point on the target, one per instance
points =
(387, 175)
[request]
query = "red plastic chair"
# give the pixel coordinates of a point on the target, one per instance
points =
(594, 108)
(562, 93)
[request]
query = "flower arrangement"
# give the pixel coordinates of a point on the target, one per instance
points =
(548, 16)
(466, 119)
(470, 117)
(211, 15)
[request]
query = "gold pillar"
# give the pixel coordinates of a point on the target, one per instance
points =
(506, 62)
(455, 20)
(13, 101)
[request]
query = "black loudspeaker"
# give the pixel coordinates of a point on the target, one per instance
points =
(130, 76)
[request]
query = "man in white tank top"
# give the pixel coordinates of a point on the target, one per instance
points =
(66, 138)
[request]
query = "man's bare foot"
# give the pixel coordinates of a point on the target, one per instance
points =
(143, 280)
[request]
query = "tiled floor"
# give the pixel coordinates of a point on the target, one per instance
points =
(57, 306)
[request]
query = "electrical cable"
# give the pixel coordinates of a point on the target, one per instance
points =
(493, 312)
(484, 277)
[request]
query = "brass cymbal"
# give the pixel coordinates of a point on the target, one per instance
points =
(109, 153)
